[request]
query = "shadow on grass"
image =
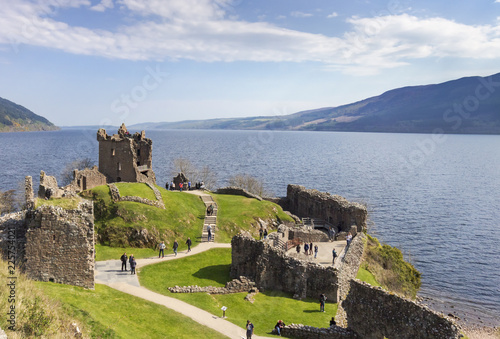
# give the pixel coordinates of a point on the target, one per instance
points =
(217, 273)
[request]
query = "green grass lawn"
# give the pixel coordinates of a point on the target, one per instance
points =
(182, 217)
(237, 213)
(66, 203)
(107, 313)
(367, 276)
(211, 268)
(109, 253)
(135, 189)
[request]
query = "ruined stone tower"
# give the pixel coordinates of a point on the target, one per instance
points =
(125, 157)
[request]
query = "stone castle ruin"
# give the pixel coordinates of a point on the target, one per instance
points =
(125, 157)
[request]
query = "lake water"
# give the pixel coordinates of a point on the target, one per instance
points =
(436, 198)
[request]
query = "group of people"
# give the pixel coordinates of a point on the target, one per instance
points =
(131, 261)
(175, 246)
(308, 249)
(262, 233)
(184, 185)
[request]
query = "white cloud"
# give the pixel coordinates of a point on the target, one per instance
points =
(199, 30)
(103, 5)
(332, 15)
(298, 14)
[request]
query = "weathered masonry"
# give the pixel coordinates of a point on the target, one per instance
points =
(125, 157)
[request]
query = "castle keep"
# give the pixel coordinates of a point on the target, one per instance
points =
(125, 157)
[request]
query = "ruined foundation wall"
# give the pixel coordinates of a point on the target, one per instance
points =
(237, 191)
(272, 269)
(87, 179)
(374, 314)
(334, 209)
(60, 245)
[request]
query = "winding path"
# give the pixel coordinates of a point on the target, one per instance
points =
(109, 273)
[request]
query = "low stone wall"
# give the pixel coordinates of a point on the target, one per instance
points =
(348, 271)
(237, 191)
(374, 314)
(272, 269)
(242, 284)
(115, 195)
(309, 332)
(307, 235)
(334, 209)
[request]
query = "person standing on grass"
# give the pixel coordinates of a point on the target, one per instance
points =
(180, 186)
(162, 250)
(133, 264)
(249, 328)
(322, 300)
(188, 242)
(124, 258)
(315, 251)
(176, 245)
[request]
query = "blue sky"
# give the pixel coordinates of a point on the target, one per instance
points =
(86, 62)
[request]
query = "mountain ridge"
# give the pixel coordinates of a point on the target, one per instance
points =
(17, 118)
(468, 105)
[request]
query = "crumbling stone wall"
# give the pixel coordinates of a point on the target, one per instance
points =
(48, 187)
(12, 236)
(334, 209)
(28, 192)
(115, 195)
(125, 157)
(348, 271)
(307, 235)
(309, 332)
(238, 191)
(272, 269)
(241, 284)
(87, 179)
(60, 245)
(374, 314)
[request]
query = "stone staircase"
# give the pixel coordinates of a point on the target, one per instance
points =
(209, 219)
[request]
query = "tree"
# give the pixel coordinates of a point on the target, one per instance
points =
(80, 164)
(182, 165)
(249, 183)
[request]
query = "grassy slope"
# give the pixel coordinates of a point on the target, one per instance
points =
(181, 218)
(388, 268)
(211, 268)
(237, 213)
(107, 313)
(66, 203)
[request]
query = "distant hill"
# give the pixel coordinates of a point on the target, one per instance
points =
(468, 105)
(16, 118)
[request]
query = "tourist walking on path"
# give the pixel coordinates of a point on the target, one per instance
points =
(322, 300)
(334, 254)
(265, 233)
(209, 231)
(180, 186)
(315, 251)
(298, 248)
(188, 243)
(133, 264)
(161, 254)
(189, 185)
(176, 245)
(306, 248)
(331, 233)
(249, 328)
(310, 248)
(172, 186)
(124, 258)
(348, 239)
(261, 232)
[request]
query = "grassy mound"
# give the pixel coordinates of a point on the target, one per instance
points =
(211, 268)
(388, 268)
(132, 224)
(66, 203)
(107, 313)
(34, 313)
(237, 213)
